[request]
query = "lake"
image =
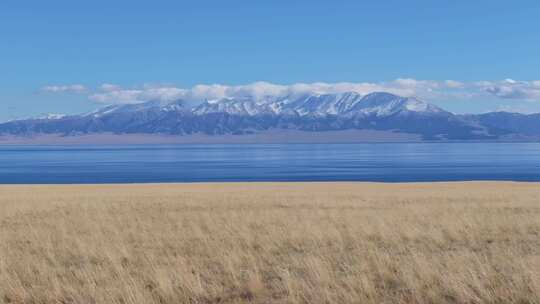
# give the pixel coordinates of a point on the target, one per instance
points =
(385, 162)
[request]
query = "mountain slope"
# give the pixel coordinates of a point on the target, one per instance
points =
(315, 113)
(511, 123)
(345, 104)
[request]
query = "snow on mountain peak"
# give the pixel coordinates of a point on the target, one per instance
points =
(347, 103)
(154, 105)
(383, 104)
(52, 116)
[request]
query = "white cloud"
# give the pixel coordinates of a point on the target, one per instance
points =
(107, 87)
(453, 84)
(430, 90)
(116, 94)
(72, 88)
(511, 89)
(256, 91)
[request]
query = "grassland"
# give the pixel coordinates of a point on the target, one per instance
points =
(271, 243)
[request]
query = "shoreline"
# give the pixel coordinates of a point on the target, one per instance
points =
(267, 137)
(270, 183)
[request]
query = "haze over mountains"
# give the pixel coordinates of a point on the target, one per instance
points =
(322, 114)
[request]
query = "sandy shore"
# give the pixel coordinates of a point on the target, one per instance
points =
(471, 242)
(368, 188)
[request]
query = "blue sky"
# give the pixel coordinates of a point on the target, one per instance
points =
(73, 56)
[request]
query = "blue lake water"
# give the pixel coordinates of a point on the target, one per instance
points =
(388, 162)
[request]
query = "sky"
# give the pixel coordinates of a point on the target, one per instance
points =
(75, 56)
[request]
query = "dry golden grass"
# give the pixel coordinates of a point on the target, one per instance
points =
(271, 243)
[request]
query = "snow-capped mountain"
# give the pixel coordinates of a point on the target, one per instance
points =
(52, 116)
(385, 104)
(310, 112)
(346, 104)
(151, 106)
(235, 107)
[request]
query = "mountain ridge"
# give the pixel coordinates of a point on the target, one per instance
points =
(379, 111)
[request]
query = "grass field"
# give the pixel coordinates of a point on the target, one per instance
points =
(271, 243)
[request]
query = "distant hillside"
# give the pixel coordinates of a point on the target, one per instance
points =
(306, 113)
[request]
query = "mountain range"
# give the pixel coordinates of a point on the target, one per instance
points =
(308, 113)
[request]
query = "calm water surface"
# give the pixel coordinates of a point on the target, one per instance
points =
(402, 162)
